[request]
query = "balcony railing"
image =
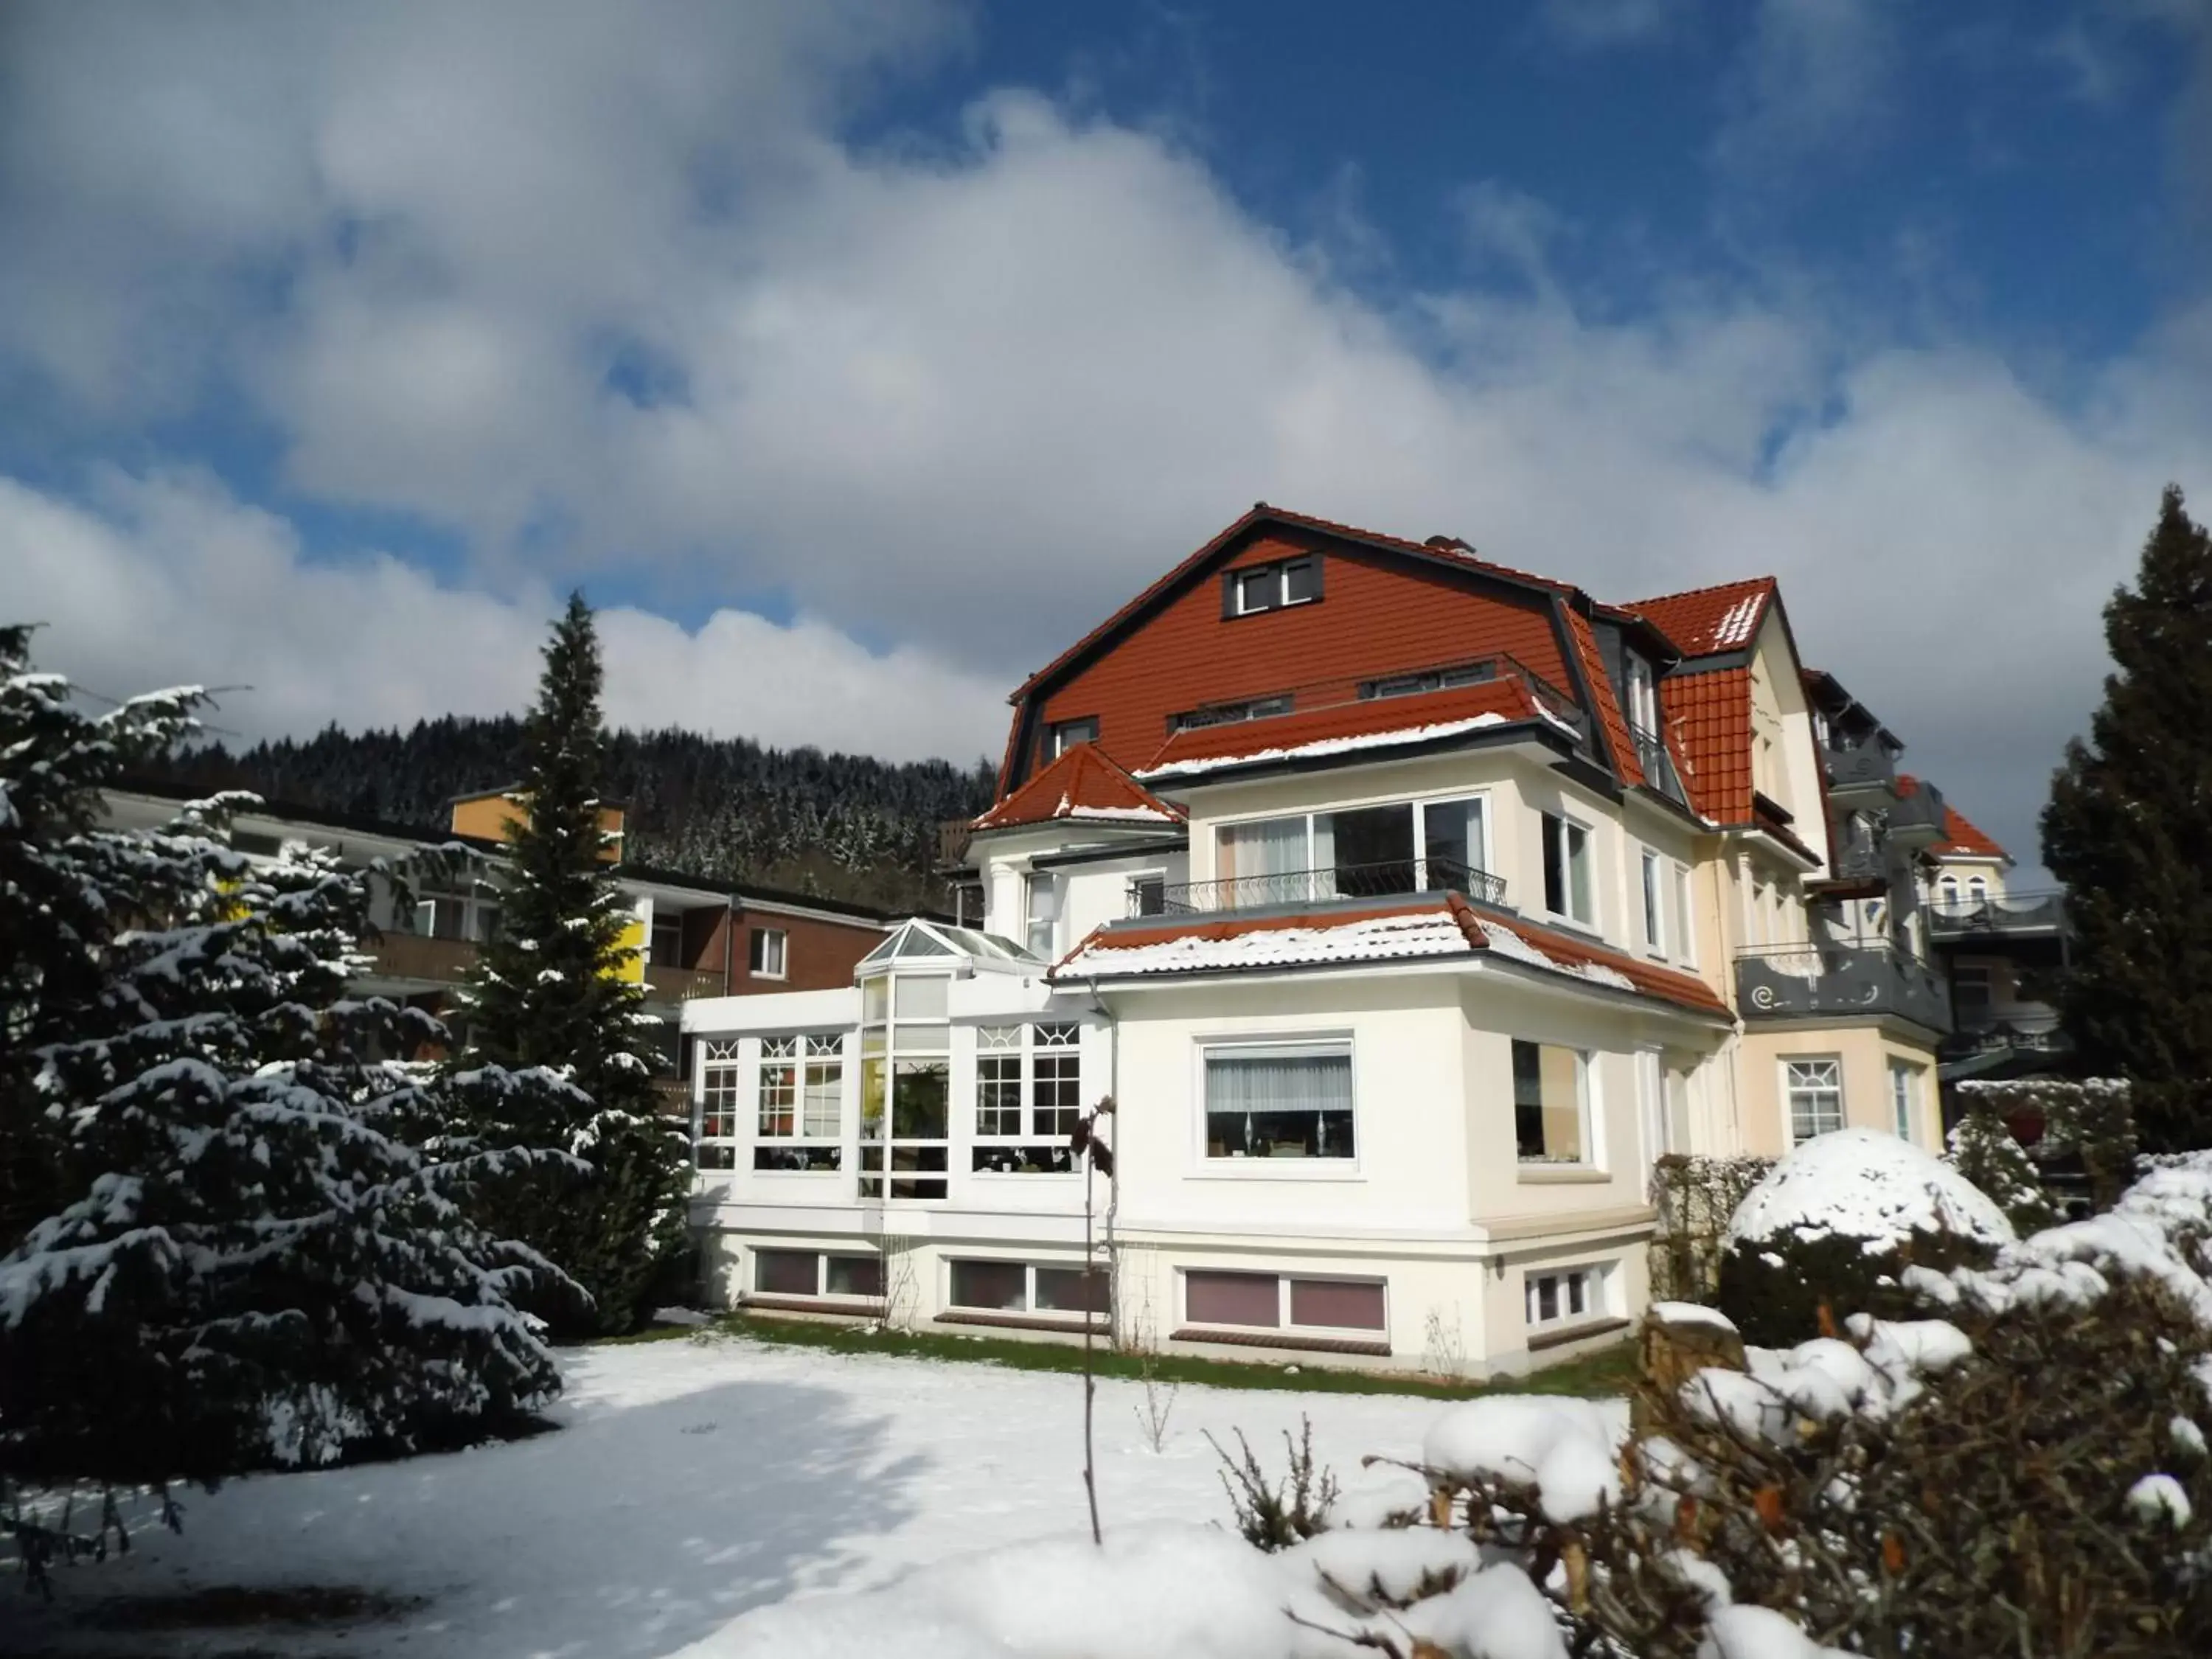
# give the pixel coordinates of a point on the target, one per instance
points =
(422, 956)
(1858, 769)
(2043, 912)
(1657, 765)
(1918, 818)
(2037, 1035)
(1342, 881)
(682, 984)
(1796, 981)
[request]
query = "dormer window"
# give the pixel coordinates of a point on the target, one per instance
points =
(1643, 697)
(1253, 588)
(1431, 679)
(1064, 735)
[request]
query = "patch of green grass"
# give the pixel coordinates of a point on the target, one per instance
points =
(1607, 1372)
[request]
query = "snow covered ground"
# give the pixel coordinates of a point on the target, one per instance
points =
(693, 1482)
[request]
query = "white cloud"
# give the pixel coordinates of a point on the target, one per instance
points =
(971, 395)
(168, 580)
(1814, 78)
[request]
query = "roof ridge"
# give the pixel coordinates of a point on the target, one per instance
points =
(1709, 587)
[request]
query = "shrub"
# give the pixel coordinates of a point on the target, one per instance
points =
(1835, 1224)
(1984, 1149)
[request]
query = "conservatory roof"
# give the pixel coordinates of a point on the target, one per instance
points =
(917, 939)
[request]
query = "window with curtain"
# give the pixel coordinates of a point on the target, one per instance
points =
(1550, 1103)
(1266, 861)
(1291, 1100)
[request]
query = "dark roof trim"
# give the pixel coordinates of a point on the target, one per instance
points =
(1135, 849)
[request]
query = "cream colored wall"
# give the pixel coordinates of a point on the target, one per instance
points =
(1090, 894)
(1964, 871)
(1865, 1052)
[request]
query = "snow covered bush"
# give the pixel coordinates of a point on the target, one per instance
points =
(2027, 1475)
(1834, 1226)
(2079, 1127)
(1982, 1148)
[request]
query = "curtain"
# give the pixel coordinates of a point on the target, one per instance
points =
(1280, 1080)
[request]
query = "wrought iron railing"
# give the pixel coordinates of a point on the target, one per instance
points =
(2041, 912)
(1342, 881)
(2041, 1036)
(1658, 766)
(1792, 981)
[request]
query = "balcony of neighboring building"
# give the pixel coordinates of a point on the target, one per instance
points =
(1862, 767)
(437, 943)
(1985, 1041)
(1962, 916)
(1825, 980)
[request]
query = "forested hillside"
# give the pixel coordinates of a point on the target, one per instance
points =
(843, 826)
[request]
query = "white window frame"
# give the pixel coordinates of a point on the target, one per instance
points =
(857, 1298)
(1205, 1166)
(1650, 872)
(721, 1075)
(1905, 1093)
(936, 1050)
(1136, 879)
(1058, 732)
(1686, 903)
(1055, 1040)
(1277, 574)
(1592, 1155)
(1033, 882)
(1558, 825)
(766, 944)
(1643, 697)
(1591, 1278)
(1793, 1084)
(814, 1058)
(1360, 1333)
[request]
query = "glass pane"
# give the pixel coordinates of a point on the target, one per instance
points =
(999, 1286)
(786, 1273)
(920, 996)
(853, 1275)
(1301, 580)
(1332, 1302)
(1451, 835)
(800, 1159)
(1070, 1289)
(1278, 1105)
(918, 1100)
(1248, 1299)
(1374, 851)
(1547, 1102)
(876, 999)
(873, 1076)
(1578, 871)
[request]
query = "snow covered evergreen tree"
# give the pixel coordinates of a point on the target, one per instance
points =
(2125, 831)
(552, 990)
(64, 893)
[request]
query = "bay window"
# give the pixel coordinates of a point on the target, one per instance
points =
(1288, 1100)
(1567, 883)
(1550, 1103)
(906, 1042)
(1029, 1096)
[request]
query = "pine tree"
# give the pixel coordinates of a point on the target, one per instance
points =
(62, 894)
(2126, 831)
(257, 1271)
(552, 989)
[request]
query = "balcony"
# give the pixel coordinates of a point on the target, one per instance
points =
(2022, 1034)
(1862, 773)
(1658, 766)
(1803, 981)
(1291, 890)
(2040, 914)
(421, 957)
(1917, 819)
(682, 984)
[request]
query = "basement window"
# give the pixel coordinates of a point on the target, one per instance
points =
(1554, 1298)
(1267, 1301)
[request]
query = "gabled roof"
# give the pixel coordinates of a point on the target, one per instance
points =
(1444, 928)
(1961, 839)
(1342, 727)
(1712, 715)
(1705, 622)
(1083, 784)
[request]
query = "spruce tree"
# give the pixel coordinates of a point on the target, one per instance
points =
(255, 1270)
(553, 990)
(2126, 830)
(64, 894)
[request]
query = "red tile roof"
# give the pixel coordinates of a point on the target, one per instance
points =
(1961, 839)
(1706, 621)
(1711, 714)
(1451, 927)
(1083, 783)
(1358, 723)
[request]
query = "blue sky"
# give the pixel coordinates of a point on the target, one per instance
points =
(857, 355)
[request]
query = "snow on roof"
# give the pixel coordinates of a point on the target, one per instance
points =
(1083, 783)
(1320, 746)
(1735, 628)
(1865, 1184)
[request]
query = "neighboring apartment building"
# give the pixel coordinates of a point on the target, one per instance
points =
(2003, 949)
(1408, 906)
(691, 937)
